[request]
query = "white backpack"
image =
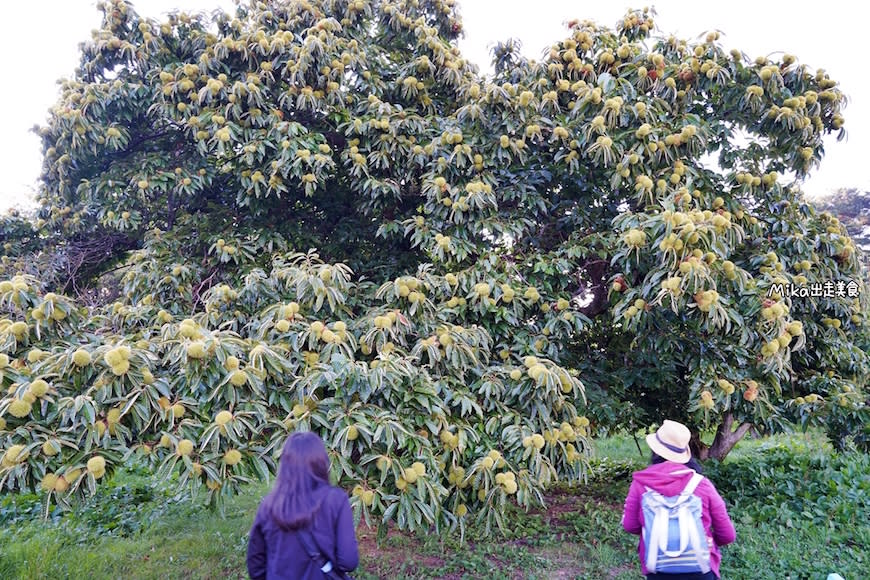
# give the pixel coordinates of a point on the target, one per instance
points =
(673, 533)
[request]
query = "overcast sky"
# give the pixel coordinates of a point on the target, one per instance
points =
(38, 44)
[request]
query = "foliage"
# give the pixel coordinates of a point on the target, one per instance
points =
(796, 485)
(852, 208)
(605, 469)
(787, 498)
(845, 417)
(18, 236)
(482, 245)
(22, 507)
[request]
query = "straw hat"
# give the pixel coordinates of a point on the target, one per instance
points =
(671, 442)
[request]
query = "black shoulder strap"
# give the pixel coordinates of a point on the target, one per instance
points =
(317, 555)
(310, 546)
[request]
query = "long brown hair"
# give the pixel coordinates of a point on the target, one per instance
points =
(303, 473)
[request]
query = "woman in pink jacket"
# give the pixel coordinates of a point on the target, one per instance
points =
(679, 514)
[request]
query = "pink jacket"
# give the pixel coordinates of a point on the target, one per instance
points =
(717, 524)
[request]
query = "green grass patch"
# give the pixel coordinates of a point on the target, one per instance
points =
(801, 511)
(621, 447)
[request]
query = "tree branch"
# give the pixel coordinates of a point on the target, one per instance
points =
(726, 438)
(742, 429)
(131, 148)
(596, 273)
(197, 293)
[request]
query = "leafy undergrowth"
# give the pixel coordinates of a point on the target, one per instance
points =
(801, 511)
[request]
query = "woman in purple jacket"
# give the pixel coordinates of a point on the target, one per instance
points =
(304, 526)
(672, 469)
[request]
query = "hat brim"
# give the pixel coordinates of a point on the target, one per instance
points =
(666, 453)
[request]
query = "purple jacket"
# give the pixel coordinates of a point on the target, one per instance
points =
(717, 524)
(275, 553)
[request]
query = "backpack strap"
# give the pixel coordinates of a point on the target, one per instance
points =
(686, 521)
(693, 537)
(695, 480)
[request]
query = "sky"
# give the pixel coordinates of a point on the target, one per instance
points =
(39, 44)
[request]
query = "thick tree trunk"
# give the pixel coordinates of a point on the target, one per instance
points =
(724, 441)
(593, 280)
(700, 450)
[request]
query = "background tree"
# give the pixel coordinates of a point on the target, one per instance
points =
(483, 246)
(852, 207)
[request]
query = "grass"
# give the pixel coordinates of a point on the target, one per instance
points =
(800, 510)
(180, 541)
(621, 447)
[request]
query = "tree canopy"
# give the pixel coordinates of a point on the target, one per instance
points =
(318, 215)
